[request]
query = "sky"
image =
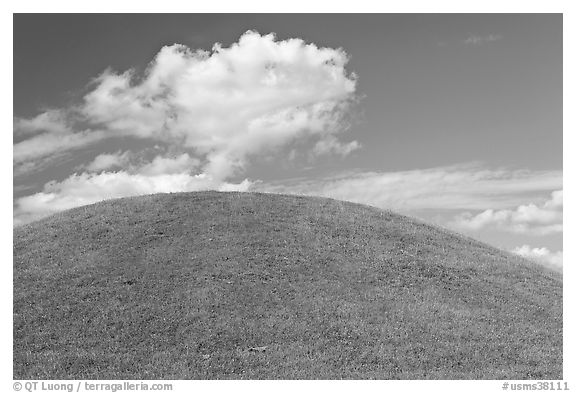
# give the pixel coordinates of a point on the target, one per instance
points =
(455, 119)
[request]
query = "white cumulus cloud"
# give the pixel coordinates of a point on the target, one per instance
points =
(331, 145)
(536, 219)
(87, 188)
(183, 163)
(213, 110)
(109, 161)
(223, 106)
(541, 255)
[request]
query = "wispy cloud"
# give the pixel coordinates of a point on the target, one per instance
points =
(53, 121)
(475, 39)
(520, 201)
(47, 144)
(458, 187)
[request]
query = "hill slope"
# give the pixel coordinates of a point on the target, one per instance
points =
(238, 285)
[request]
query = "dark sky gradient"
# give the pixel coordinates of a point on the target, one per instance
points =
(429, 98)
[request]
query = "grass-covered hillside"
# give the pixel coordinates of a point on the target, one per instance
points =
(239, 285)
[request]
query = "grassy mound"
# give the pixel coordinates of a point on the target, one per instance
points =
(238, 285)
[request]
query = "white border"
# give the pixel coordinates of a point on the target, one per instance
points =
(297, 6)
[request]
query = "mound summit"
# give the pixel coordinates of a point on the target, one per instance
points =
(259, 286)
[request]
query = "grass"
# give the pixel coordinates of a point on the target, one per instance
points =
(215, 285)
